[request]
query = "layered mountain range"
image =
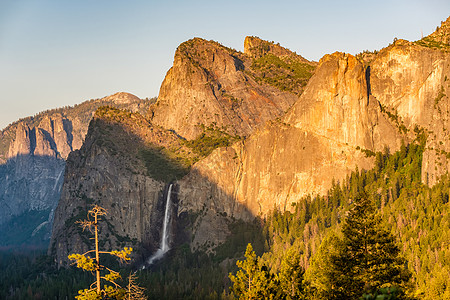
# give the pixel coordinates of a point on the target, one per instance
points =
(33, 151)
(238, 134)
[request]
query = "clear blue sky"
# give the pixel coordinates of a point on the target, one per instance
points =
(59, 52)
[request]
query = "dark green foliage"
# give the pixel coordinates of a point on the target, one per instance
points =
(367, 257)
(387, 293)
(34, 276)
(210, 139)
(186, 275)
(160, 166)
(241, 233)
(287, 75)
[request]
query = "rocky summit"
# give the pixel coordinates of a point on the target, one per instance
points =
(210, 84)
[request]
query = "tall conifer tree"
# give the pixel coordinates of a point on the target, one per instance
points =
(364, 260)
(368, 255)
(253, 280)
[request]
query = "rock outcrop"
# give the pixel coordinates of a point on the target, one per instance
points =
(257, 48)
(412, 82)
(347, 106)
(210, 84)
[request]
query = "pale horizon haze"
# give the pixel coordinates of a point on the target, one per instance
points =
(59, 53)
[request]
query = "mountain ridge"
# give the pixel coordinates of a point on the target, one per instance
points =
(33, 151)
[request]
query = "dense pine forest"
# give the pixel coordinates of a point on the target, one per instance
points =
(303, 245)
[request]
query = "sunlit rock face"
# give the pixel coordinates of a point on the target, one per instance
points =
(208, 85)
(414, 82)
(316, 141)
(349, 104)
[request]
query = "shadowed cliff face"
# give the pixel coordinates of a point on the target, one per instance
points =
(114, 169)
(32, 177)
(209, 84)
(33, 151)
(107, 170)
(30, 186)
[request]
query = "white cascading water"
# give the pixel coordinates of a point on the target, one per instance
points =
(165, 234)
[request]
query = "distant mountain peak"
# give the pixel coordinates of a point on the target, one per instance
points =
(122, 98)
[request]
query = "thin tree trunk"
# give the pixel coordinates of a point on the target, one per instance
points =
(97, 258)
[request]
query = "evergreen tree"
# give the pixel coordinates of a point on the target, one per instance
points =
(291, 275)
(253, 280)
(324, 277)
(367, 258)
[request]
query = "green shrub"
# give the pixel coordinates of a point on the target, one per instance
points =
(287, 75)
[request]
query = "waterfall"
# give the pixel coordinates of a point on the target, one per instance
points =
(165, 234)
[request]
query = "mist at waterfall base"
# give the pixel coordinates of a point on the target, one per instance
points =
(165, 234)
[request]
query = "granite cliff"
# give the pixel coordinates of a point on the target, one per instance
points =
(124, 166)
(211, 84)
(319, 139)
(351, 107)
(32, 162)
(411, 81)
(329, 118)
